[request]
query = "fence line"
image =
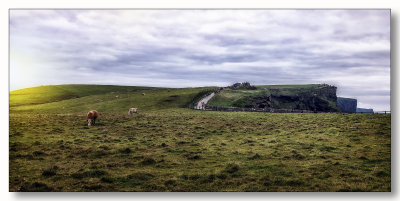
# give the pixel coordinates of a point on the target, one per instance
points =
(272, 110)
(374, 112)
(382, 112)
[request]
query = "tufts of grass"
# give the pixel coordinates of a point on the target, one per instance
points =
(231, 168)
(107, 179)
(148, 161)
(89, 173)
(255, 157)
(50, 172)
(35, 187)
(382, 174)
(125, 151)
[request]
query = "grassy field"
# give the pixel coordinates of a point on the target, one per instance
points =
(235, 98)
(168, 147)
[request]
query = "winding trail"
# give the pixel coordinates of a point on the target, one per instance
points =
(202, 103)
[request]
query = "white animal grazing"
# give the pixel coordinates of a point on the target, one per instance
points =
(132, 110)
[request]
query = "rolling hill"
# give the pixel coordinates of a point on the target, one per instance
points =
(104, 98)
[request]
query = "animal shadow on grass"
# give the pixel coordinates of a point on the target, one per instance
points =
(99, 124)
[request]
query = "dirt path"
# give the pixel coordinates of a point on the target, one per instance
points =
(202, 103)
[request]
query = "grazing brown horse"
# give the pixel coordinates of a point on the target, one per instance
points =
(91, 117)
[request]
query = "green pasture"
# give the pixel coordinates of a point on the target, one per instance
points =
(170, 147)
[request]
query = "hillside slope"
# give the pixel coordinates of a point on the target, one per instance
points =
(104, 98)
(53, 93)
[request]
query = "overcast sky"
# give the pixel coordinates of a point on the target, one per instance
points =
(190, 48)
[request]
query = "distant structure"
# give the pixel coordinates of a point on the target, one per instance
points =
(364, 111)
(242, 85)
(347, 105)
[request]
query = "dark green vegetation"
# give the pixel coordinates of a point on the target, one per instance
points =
(167, 147)
(313, 97)
(237, 98)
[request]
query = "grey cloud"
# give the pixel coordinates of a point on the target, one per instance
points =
(210, 46)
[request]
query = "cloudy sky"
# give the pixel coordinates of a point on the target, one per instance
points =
(189, 48)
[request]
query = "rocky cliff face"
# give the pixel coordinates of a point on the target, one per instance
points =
(347, 105)
(317, 98)
(259, 102)
(364, 111)
(312, 97)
